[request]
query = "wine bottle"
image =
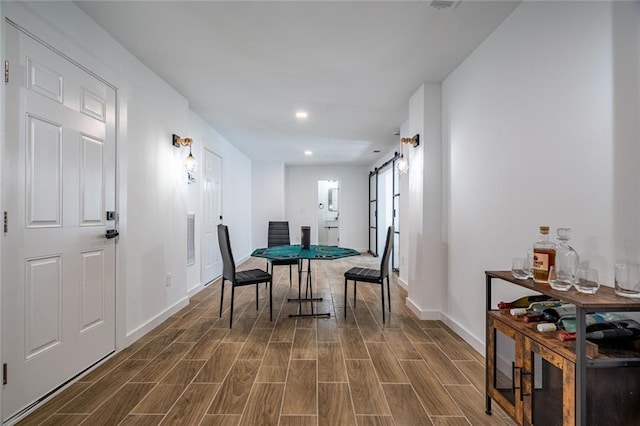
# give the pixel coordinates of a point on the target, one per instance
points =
(533, 317)
(523, 302)
(569, 322)
(554, 314)
(535, 307)
(613, 330)
(546, 326)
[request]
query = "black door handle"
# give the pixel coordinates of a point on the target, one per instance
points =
(111, 233)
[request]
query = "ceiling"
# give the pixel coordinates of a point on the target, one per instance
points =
(247, 67)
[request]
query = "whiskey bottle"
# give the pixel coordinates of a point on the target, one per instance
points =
(544, 256)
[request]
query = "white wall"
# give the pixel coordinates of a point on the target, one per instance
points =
(301, 202)
(426, 280)
(236, 188)
(626, 129)
(528, 135)
(153, 194)
(268, 198)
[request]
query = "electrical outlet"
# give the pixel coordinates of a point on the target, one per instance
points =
(168, 277)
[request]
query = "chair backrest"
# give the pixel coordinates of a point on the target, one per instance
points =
(278, 234)
(388, 247)
(228, 265)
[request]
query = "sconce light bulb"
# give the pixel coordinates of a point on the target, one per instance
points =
(403, 165)
(190, 163)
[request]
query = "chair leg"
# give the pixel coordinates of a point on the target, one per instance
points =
(221, 297)
(355, 299)
(345, 298)
(290, 276)
(233, 288)
(257, 287)
(389, 292)
(382, 294)
(270, 300)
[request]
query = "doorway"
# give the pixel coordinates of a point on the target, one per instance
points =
(385, 205)
(384, 208)
(328, 212)
(212, 216)
(58, 262)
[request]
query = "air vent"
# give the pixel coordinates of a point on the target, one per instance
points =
(191, 239)
(445, 4)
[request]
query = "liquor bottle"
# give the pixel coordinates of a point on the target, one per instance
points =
(544, 256)
(524, 302)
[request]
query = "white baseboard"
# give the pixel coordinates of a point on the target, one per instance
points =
(402, 283)
(472, 340)
(421, 313)
(194, 290)
(155, 321)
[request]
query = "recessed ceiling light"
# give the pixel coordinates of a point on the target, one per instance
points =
(301, 114)
(308, 152)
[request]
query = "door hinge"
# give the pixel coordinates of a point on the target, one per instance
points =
(6, 71)
(4, 373)
(6, 222)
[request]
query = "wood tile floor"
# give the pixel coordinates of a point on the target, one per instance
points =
(194, 370)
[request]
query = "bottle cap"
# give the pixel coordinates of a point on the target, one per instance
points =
(546, 327)
(544, 229)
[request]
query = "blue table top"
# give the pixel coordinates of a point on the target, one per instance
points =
(297, 252)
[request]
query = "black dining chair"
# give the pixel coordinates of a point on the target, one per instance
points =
(279, 236)
(239, 278)
(372, 276)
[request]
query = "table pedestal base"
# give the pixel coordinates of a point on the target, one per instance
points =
(308, 291)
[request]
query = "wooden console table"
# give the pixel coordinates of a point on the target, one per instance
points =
(574, 385)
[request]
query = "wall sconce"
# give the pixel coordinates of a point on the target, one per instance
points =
(403, 163)
(189, 162)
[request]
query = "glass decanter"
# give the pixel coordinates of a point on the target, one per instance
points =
(567, 259)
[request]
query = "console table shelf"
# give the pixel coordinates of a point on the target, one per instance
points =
(553, 382)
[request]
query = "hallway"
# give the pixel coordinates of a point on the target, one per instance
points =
(193, 370)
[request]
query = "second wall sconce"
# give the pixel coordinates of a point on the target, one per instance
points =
(403, 163)
(189, 162)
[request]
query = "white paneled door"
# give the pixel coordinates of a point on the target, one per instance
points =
(58, 269)
(212, 208)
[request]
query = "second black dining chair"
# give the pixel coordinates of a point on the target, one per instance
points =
(239, 278)
(373, 276)
(279, 236)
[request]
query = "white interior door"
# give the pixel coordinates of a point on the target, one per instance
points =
(58, 268)
(212, 209)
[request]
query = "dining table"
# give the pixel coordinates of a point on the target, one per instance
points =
(300, 253)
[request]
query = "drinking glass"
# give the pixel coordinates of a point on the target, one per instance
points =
(628, 279)
(529, 264)
(518, 268)
(559, 279)
(587, 280)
